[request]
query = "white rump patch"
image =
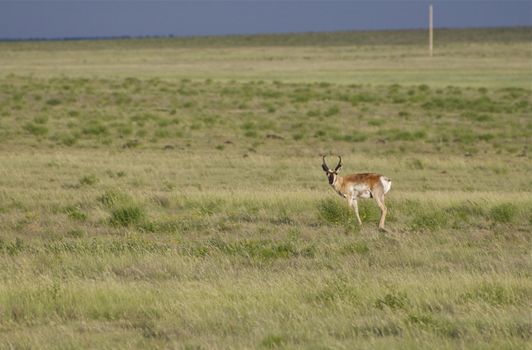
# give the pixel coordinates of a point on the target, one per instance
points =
(386, 184)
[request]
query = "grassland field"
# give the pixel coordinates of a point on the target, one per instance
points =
(168, 193)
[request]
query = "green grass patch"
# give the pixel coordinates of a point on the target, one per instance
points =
(36, 129)
(113, 198)
(503, 213)
(88, 180)
(127, 215)
(53, 102)
(429, 219)
(76, 213)
(335, 212)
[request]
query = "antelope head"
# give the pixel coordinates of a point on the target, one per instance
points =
(331, 174)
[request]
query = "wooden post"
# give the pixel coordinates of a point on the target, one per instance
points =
(430, 30)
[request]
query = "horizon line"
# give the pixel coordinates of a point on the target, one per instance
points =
(177, 36)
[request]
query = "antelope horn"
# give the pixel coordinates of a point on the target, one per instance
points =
(339, 163)
(324, 165)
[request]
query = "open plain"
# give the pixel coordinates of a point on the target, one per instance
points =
(168, 193)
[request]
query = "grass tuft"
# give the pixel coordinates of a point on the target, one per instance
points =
(112, 198)
(392, 300)
(357, 247)
(13, 248)
(429, 219)
(335, 212)
(53, 102)
(127, 215)
(36, 129)
(503, 213)
(88, 180)
(75, 212)
(496, 294)
(273, 341)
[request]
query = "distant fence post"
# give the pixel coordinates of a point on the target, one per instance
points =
(430, 30)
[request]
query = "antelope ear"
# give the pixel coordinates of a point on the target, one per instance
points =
(337, 170)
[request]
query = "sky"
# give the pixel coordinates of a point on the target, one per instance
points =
(24, 19)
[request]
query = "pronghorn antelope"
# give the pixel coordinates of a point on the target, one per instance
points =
(355, 186)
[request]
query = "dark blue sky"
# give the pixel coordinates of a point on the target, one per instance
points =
(99, 18)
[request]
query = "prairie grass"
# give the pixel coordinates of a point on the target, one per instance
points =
(328, 120)
(467, 58)
(163, 211)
